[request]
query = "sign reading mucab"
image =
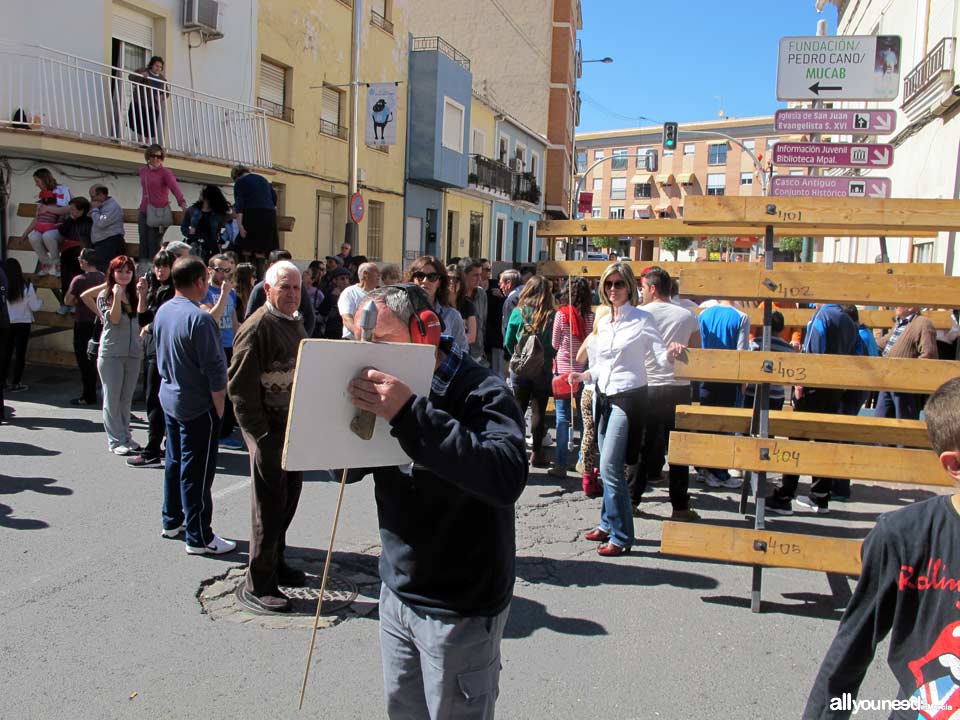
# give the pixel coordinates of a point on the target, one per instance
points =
(843, 67)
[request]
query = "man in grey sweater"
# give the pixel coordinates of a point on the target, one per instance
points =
(106, 234)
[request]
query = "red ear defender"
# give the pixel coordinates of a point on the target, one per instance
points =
(425, 328)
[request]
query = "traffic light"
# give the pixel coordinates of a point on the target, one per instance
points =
(670, 136)
(650, 161)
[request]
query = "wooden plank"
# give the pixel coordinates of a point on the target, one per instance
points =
(56, 358)
(48, 318)
(897, 217)
(832, 371)
(285, 223)
(799, 317)
(595, 268)
(864, 430)
(801, 457)
(47, 281)
(655, 227)
(17, 242)
(769, 548)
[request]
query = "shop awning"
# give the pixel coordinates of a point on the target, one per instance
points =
(666, 179)
(642, 211)
(641, 178)
(686, 178)
(664, 206)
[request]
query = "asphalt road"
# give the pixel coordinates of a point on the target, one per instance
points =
(100, 617)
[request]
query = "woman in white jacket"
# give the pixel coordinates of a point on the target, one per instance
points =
(624, 340)
(22, 302)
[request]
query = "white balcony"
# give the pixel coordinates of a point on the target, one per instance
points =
(929, 87)
(44, 90)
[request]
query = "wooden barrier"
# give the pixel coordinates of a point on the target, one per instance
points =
(749, 546)
(595, 268)
(18, 243)
(830, 371)
(807, 426)
(666, 227)
(285, 223)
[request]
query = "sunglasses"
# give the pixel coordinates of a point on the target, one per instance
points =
(432, 277)
(225, 271)
(618, 284)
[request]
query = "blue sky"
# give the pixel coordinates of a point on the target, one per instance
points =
(674, 58)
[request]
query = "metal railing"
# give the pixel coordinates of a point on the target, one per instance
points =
(333, 129)
(938, 60)
(488, 173)
(275, 110)
(380, 21)
(525, 188)
(440, 45)
(53, 92)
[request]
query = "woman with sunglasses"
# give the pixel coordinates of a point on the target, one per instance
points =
(457, 298)
(429, 273)
(156, 184)
(118, 360)
(626, 340)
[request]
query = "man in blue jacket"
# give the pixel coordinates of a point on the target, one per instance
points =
(446, 522)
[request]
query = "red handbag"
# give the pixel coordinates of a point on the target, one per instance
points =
(561, 387)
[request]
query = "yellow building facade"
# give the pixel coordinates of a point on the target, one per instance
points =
(303, 53)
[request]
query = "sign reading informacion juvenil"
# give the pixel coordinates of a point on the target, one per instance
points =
(830, 187)
(833, 155)
(851, 67)
(852, 122)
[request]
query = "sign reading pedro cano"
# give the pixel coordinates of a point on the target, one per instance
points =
(853, 67)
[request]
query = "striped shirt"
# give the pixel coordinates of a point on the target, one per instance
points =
(561, 341)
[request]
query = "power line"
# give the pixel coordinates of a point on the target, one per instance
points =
(614, 113)
(520, 32)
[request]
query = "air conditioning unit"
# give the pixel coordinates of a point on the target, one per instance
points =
(518, 165)
(202, 15)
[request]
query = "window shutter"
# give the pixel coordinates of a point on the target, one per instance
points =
(331, 106)
(453, 127)
(133, 28)
(272, 80)
(379, 7)
(478, 143)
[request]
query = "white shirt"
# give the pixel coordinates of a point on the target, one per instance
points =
(348, 303)
(676, 324)
(684, 303)
(622, 348)
(22, 310)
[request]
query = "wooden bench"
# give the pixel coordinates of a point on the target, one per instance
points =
(285, 223)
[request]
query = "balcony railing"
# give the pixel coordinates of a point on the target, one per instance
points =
(440, 45)
(332, 128)
(490, 174)
(937, 61)
(525, 188)
(380, 21)
(52, 92)
(275, 110)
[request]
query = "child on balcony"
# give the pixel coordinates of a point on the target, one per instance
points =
(43, 232)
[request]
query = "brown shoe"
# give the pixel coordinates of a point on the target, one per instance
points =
(687, 515)
(597, 535)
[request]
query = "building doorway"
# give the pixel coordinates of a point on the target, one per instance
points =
(476, 235)
(325, 240)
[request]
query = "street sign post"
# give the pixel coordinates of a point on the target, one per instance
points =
(850, 67)
(846, 122)
(834, 187)
(833, 155)
(357, 207)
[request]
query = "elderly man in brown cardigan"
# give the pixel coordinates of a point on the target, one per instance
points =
(913, 336)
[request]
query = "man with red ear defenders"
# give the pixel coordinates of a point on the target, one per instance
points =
(442, 598)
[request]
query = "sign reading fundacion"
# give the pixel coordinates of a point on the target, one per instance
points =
(849, 67)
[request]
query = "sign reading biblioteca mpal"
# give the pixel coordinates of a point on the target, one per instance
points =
(843, 67)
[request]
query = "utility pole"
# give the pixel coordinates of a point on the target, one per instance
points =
(352, 232)
(806, 249)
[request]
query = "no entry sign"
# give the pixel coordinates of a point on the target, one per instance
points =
(852, 122)
(846, 67)
(833, 155)
(821, 187)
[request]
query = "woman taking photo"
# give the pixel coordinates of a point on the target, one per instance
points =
(533, 314)
(457, 298)
(429, 273)
(625, 339)
(118, 360)
(572, 324)
(204, 221)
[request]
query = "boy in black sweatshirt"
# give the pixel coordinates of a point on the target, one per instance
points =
(910, 588)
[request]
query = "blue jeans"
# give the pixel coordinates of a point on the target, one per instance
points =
(616, 516)
(191, 463)
(565, 422)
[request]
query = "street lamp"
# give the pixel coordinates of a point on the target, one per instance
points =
(605, 61)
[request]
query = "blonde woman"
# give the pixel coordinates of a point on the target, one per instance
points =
(625, 339)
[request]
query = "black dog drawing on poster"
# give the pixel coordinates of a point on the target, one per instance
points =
(381, 116)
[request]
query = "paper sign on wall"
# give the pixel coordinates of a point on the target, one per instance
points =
(318, 426)
(381, 114)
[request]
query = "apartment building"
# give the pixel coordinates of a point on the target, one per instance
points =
(537, 85)
(612, 166)
(926, 160)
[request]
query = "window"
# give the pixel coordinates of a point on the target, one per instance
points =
(274, 95)
(641, 157)
(771, 142)
(716, 184)
(598, 154)
(375, 230)
(520, 155)
(581, 161)
(749, 145)
(479, 143)
(380, 15)
(534, 164)
(668, 153)
(595, 213)
(717, 154)
(330, 113)
(642, 190)
(452, 125)
(639, 214)
(689, 148)
(132, 38)
(923, 252)
(597, 186)
(620, 159)
(797, 172)
(616, 213)
(618, 188)
(746, 178)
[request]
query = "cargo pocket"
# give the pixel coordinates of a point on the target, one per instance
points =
(478, 684)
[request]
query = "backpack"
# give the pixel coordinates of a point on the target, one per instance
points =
(527, 360)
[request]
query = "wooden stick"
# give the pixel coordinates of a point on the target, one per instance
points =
(323, 585)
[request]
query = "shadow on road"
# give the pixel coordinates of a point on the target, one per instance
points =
(18, 523)
(527, 616)
(591, 573)
(25, 450)
(810, 605)
(79, 425)
(12, 485)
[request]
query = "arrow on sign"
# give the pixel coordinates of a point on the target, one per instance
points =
(882, 123)
(876, 190)
(881, 157)
(817, 87)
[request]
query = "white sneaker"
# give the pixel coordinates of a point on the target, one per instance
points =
(805, 501)
(217, 546)
(175, 532)
(734, 473)
(122, 450)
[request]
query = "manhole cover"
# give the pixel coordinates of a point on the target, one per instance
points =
(337, 595)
